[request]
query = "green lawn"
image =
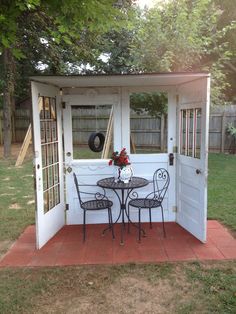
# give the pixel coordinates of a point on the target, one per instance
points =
(17, 198)
(222, 189)
(192, 287)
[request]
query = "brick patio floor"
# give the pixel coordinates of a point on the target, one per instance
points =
(67, 247)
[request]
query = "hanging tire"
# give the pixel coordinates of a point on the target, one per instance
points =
(92, 142)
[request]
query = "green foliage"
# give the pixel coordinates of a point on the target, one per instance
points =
(186, 35)
(231, 130)
(153, 103)
(59, 35)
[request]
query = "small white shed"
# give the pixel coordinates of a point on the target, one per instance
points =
(187, 139)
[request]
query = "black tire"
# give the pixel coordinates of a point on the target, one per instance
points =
(92, 139)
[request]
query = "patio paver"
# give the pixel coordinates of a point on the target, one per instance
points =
(67, 247)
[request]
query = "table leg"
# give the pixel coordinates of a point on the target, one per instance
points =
(123, 210)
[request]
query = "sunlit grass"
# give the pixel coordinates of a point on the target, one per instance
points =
(222, 189)
(17, 198)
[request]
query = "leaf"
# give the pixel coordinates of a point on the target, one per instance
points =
(18, 54)
(5, 42)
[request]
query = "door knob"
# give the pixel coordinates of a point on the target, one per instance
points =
(198, 171)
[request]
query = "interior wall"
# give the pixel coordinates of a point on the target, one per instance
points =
(90, 171)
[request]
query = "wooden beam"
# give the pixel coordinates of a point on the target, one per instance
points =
(24, 147)
(132, 145)
(108, 138)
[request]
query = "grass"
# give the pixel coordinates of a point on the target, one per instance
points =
(192, 287)
(222, 189)
(162, 288)
(17, 199)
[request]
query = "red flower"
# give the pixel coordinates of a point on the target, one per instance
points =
(119, 159)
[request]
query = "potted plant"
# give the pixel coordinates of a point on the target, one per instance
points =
(122, 166)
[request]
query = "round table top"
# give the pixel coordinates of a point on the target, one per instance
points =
(135, 182)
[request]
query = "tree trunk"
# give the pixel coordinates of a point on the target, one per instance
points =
(8, 93)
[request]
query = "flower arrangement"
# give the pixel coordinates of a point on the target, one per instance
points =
(119, 159)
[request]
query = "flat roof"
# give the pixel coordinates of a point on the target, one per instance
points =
(120, 80)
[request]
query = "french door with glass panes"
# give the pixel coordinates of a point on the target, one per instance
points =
(47, 137)
(192, 156)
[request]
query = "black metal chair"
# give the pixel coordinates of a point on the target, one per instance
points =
(161, 181)
(99, 202)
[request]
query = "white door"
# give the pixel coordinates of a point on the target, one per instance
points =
(192, 156)
(49, 182)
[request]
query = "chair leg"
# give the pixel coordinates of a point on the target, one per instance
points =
(139, 224)
(84, 226)
(109, 218)
(111, 223)
(163, 223)
(150, 218)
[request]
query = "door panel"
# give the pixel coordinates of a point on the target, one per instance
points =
(192, 157)
(47, 135)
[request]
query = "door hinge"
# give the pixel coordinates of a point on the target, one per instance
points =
(67, 207)
(174, 209)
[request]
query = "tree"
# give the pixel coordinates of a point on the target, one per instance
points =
(58, 23)
(185, 35)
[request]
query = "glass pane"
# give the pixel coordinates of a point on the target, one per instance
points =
(45, 201)
(148, 123)
(42, 132)
(49, 145)
(48, 132)
(55, 153)
(45, 179)
(41, 107)
(56, 194)
(183, 132)
(198, 133)
(54, 131)
(44, 156)
(51, 198)
(190, 132)
(87, 120)
(50, 176)
(53, 109)
(56, 174)
(47, 108)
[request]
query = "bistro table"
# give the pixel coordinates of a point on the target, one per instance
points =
(134, 183)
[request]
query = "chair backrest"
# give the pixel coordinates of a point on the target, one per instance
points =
(77, 188)
(161, 181)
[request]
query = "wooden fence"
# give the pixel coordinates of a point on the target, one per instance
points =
(146, 131)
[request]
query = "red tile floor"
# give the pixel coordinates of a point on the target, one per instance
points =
(67, 248)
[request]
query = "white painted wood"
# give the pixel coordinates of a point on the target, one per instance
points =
(47, 224)
(144, 165)
(191, 194)
(171, 144)
(125, 120)
(192, 187)
(117, 135)
(129, 80)
(90, 100)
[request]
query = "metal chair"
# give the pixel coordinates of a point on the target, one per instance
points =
(99, 202)
(161, 181)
